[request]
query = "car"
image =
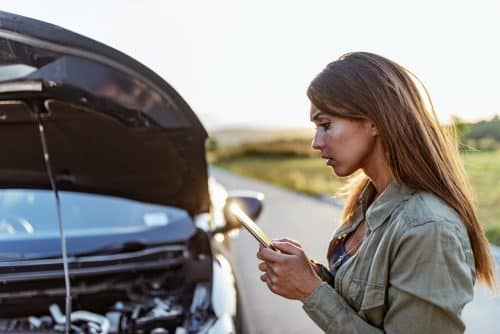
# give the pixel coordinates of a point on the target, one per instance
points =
(109, 221)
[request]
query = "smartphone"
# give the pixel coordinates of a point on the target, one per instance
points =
(254, 230)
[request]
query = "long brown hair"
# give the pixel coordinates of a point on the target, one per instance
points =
(421, 153)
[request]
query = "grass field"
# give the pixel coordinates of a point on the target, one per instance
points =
(483, 169)
(312, 176)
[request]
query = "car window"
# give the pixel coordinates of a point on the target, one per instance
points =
(29, 211)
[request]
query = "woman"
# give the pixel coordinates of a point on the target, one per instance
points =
(409, 247)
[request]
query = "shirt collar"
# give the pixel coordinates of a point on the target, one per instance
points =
(383, 206)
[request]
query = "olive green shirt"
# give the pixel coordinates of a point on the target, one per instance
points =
(413, 273)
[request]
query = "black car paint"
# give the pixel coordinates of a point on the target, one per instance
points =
(66, 105)
(103, 103)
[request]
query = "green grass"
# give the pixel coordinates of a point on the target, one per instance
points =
(483, 169)
(312, 176)
(306, 175)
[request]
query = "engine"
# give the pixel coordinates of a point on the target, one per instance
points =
(154, 311)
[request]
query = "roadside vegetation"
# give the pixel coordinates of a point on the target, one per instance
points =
(291, 163)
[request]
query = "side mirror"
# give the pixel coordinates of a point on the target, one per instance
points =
(251, 202)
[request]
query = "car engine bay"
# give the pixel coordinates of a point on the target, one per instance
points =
(149, 314)
(170, 300)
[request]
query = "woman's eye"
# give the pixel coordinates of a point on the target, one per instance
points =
(325, 126)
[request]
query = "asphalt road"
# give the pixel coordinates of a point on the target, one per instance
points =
(311, 222)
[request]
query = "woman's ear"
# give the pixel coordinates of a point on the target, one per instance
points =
(373, 129)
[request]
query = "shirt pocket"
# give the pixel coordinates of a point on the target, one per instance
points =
(373, 304)
(373, 297)
(364, 296)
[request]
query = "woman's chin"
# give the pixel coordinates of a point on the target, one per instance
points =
(340, 172)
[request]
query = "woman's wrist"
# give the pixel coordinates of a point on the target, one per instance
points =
(309, 286)
(316, 266)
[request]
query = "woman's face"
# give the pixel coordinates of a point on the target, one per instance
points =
(345, 143)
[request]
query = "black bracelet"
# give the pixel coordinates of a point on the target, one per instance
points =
(323, 273)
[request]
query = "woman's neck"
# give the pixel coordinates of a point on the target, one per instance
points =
(380, 182)
(377, 168)
(380, 174)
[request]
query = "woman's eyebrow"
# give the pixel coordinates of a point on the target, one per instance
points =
(316, 115)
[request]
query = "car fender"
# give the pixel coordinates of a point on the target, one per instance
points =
(224, 294)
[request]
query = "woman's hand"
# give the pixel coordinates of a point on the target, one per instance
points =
(288, 273)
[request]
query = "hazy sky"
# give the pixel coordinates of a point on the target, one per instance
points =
(248, 63)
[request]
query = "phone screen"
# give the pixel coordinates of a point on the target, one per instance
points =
(255, 230)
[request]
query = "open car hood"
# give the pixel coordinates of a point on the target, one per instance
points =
(112, 125)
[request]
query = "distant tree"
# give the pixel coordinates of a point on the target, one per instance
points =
(211, 144)
(483, 129)
(461, 127)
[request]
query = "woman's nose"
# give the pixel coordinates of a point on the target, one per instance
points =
(317, 143)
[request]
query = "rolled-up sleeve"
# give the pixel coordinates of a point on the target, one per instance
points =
(431, 280)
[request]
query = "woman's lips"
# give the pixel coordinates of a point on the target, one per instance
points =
(329, 161)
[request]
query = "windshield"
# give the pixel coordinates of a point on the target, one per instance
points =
(25, 212)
